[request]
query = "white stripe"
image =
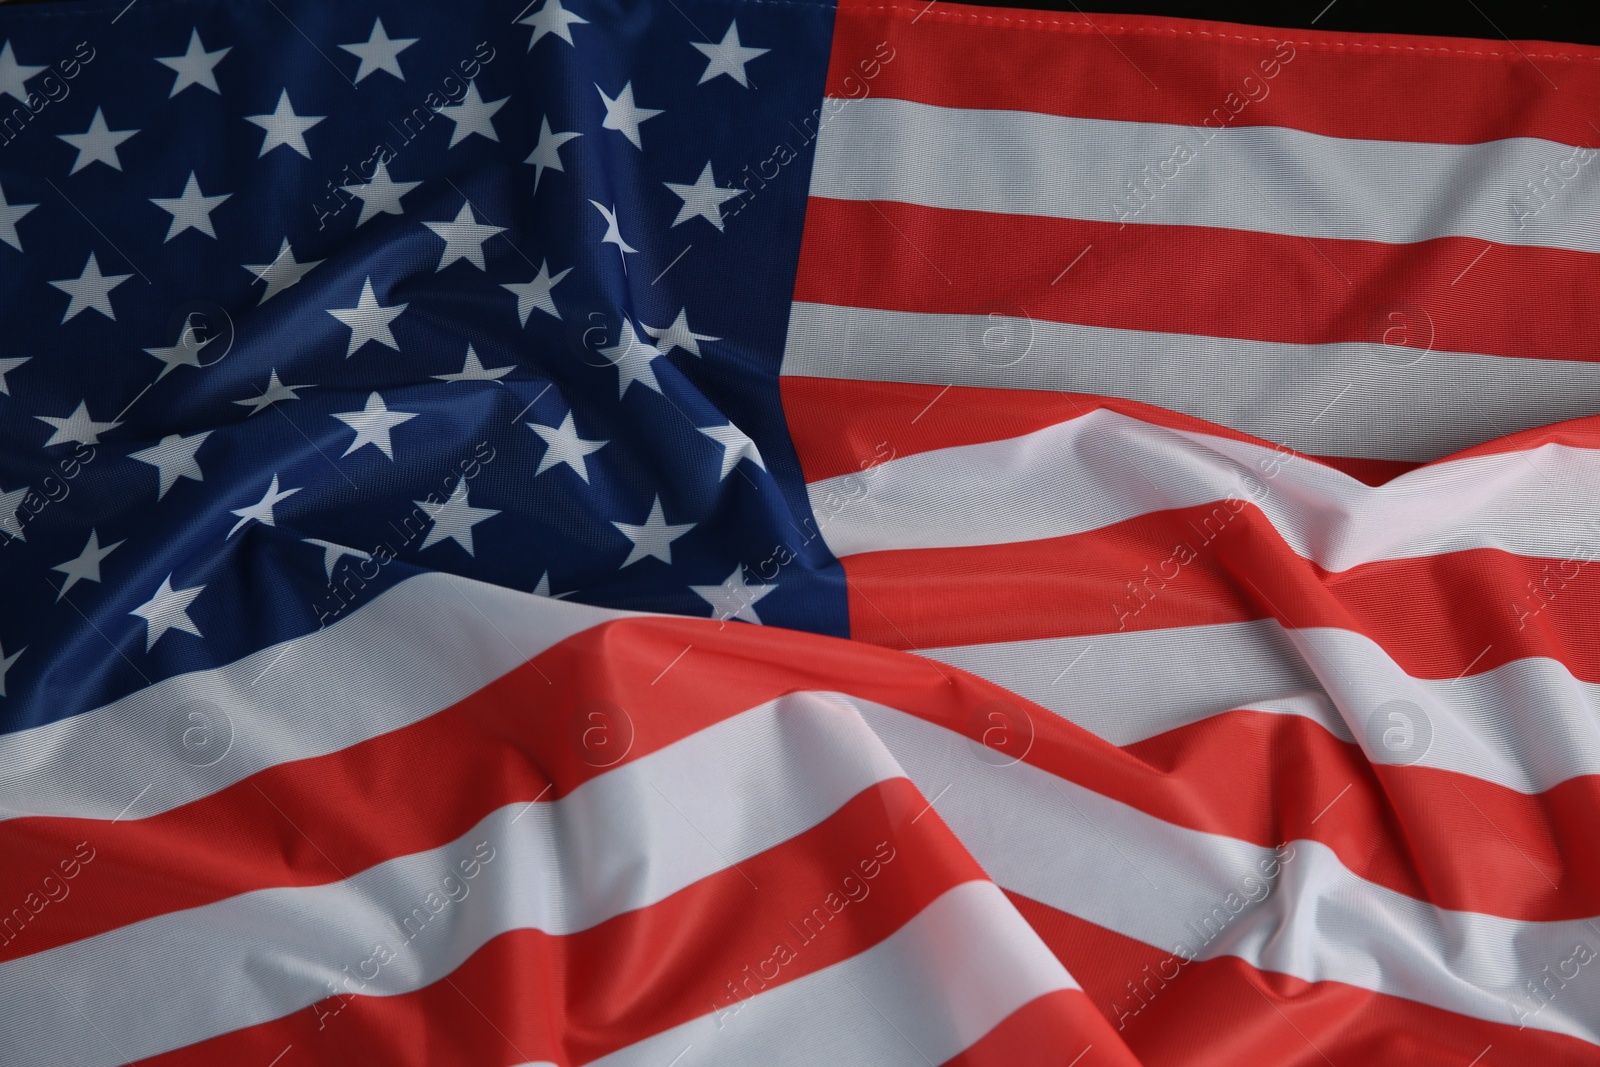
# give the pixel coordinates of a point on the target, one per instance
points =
(1101, 860)
(1263, 178)
(768, 774)
(622, 841)
(922, 995)
(373, 671)
(1527, 725)
(1184, 675)
(1302, 396)
(1104, 467)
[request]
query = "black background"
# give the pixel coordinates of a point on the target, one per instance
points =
(1576, 21)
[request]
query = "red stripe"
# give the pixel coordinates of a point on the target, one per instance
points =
(841, 426)
(361, 806)
(1146, 69)
(529, 995)
(1186, 779)
(1521, 301)
(1225, 775)
(1224, 1012)
(1436, 616)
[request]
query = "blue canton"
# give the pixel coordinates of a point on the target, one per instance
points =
(300, 299)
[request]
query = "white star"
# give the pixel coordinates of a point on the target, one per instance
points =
(9, 214)
(565, 446)
(654, 537)
(463, 238)
(168, 610)
(543, 588)
(613, 234)
(703, 199)
(173, 458)
(454, 519)
(13, 74)
(77, 428)
(546, 155)
(474, 371)
(733, 599)
(6, 367)
(195, 66)
(553, 19)
(97, 144)
(274, 392)
(9, 503)
(727, 56)
(332, 553)
(87, 566)
(632, 358)
(380, 195)
(536, 294)
(368, 321)
(186, 353)
(261, 510)
(190, 211)
(624, 116)
(380, 52)
(281, 273)
(284, 128)
(678, 335)
(372, 425)
(735, 445)
(472, 115)
(5, 660)
(91, 289)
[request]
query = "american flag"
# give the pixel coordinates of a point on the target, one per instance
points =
(730, 532)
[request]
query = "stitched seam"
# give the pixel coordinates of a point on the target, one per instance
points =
(945, 14)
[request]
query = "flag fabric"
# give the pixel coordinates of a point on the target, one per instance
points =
(741, 532)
